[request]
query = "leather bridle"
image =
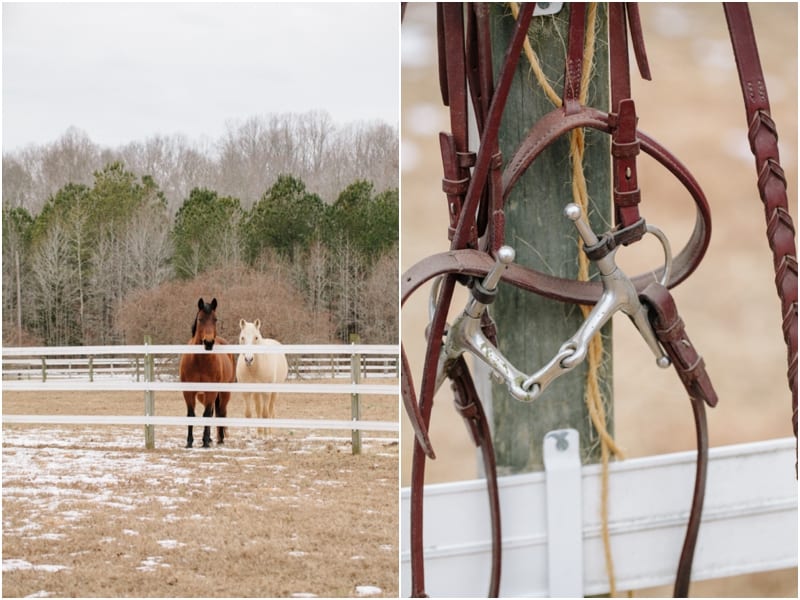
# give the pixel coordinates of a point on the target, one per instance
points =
(477, 184)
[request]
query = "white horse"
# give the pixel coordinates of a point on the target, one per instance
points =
(259, 368)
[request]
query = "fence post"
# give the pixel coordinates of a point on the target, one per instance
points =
(532, 328)
(91, 368)
(44, 369)
(355, 404)
(149, 399)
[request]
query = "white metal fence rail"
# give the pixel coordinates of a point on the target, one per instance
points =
(150, 384)
(749, 524)
(307, 362)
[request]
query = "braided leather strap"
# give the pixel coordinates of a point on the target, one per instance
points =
(763, 136)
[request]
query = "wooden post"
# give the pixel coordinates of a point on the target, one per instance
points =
(355, 403)
(149, 398)
(44, 369)
(531, 328)
(91, 368)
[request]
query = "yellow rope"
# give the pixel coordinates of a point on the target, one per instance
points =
(580, 195)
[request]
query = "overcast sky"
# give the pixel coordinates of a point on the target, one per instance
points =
(125, 72)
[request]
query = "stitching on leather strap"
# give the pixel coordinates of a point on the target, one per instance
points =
(455, 187)
(672, 333)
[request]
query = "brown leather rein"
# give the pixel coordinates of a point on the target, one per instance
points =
(477, 185)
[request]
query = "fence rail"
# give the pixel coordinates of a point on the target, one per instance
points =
(199, 421)
(305, 361)
(67, 357)
(749, 524)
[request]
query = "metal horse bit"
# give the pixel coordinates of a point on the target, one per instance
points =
(619, 294)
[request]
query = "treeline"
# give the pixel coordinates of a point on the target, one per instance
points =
(79, 269)
(246, 160)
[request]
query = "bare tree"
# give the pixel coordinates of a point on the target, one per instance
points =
(54, 289)
(147, 250)
(381, 301)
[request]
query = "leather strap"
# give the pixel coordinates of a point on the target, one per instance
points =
(469, 406)
(557, 123)
(670, 331)
(763, 138)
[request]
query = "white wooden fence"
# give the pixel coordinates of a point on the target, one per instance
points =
(150, 383)
(749, 524)
(301, 366)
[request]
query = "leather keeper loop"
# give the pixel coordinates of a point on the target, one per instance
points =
(481, 294)
(466, 159)
(620, 237)
(629, 198)
(632, 233)
(602, 248)
(695, 370)
(625, 149)
(496, 161)
(455, 187)
(468, 411)
(673, 333)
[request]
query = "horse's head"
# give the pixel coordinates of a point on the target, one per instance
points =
(204, 328)
(250, 334)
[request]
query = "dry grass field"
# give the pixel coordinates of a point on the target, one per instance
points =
(87, 511)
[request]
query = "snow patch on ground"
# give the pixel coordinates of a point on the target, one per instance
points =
(52, 475)
(17, 564)
(150, 563)
(367, 590)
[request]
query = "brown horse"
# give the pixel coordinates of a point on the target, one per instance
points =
(209, 368)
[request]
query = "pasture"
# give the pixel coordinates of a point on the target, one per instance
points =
(88, 512)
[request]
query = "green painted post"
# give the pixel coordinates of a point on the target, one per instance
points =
(531, 328)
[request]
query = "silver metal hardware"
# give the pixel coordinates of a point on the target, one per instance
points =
(544, 9)
(619, 294)
(465, 334)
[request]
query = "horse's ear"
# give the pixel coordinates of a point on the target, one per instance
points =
(241, 323)
(258, 325)
(214, 304)
(200, 304)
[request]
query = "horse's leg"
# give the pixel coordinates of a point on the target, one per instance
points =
(258, 406)
(188, 397)
(270, 400)
(222, 411)
(207, 412)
